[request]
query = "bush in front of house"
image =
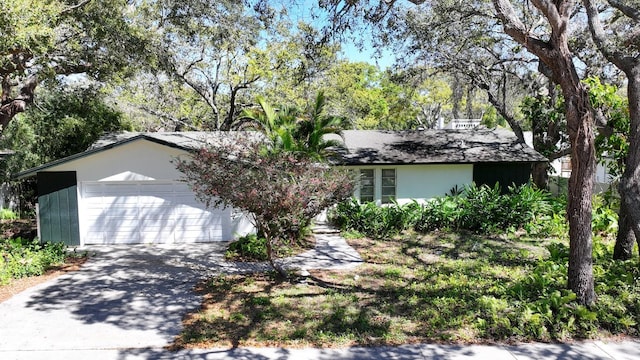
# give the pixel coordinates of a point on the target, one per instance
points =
(283, 190)
(481, 209)
(8, 214)
(248, 248)
(21, 258)
(375, 221)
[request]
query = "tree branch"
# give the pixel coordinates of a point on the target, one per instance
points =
(515, 28)
(550, 11)
(19, 104)
(600, 38)
(166, 116)
(558, 154)
(629, 11)
(73, 7)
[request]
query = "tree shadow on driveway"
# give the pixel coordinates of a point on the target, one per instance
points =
(123, 297)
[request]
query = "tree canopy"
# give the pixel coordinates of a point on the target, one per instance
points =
(42, 39)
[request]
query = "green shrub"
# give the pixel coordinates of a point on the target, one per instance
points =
(481, 209)
(440, 213)
(604, 217)
(249, 248)
(21, 258)
(6, 214)
(373, 220)
(485, 209)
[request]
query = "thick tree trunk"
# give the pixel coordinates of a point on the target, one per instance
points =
(626, 238)
(540, 175)
(630, 183)
(9, 108)
(627, 61)
(580, 125)
(556, 55)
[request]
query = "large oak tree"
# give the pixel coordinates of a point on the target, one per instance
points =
(41, 40)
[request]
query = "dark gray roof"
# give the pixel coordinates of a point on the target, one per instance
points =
(364, 147)
(369, 147)
(187, 140)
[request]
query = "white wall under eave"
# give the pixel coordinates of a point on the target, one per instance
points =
(139, 160)
(425, 182)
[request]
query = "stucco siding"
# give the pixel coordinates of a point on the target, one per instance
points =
(140, 160)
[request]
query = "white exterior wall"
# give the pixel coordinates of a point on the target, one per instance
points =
(137, 162)
(421, 182)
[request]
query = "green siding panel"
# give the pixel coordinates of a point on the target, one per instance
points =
(45, 217)
(58, 207)
(506, 174)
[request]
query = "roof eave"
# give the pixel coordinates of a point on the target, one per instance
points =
(381, 163)
(31, 172)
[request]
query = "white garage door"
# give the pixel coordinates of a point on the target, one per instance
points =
(148, 212)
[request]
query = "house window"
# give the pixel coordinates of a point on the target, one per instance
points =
(366, 185)
(388, 185)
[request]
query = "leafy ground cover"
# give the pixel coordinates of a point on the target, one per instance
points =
(25, 257)
(438, 287)
(24, 261)
(16, 286)
(251, 248)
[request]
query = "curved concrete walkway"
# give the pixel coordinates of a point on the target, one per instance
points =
(332, 252)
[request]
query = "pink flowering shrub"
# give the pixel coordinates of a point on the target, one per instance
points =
(283, 190)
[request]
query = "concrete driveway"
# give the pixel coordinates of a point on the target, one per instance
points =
(127, 302)
(132, 296)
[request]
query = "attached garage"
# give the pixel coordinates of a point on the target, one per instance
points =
(149, 212)
(126, 190)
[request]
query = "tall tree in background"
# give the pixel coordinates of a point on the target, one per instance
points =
(544, 33)
(42, 39)
(292, 130)
(619, 42)
(221, 55)
(66, 120)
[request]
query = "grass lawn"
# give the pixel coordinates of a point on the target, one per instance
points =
(440, 287)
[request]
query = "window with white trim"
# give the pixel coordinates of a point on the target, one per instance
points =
(367, 185)
(388, 185)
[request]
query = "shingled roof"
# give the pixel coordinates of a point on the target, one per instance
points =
(187, 140)
(370, 147)
(362, 147)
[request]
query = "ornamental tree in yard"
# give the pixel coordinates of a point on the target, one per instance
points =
(282, 190)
